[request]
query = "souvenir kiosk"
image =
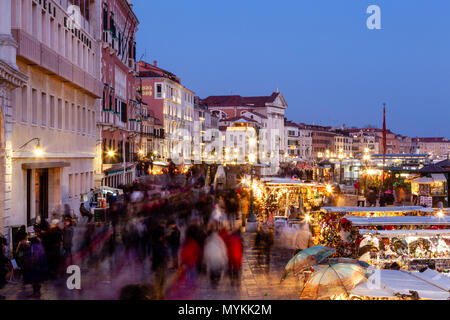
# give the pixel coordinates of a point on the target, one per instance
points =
(413, 242)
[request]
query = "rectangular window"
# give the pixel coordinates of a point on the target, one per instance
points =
(77, 185)
(34, 16)
(53, 41)
(70, 185)
(158, 91)
(74, 119)
(52, 111)
(124, 114)
(66, 114)
(24, 104)
(94, 123)
(34, 105)
(82, 183)
(60, 41)
(44, 28)
(88, 122)
(14, 102)
(67, 44)
(88, 186)
(78, 118)
(83, 117)
(44, 109)
(60, 114)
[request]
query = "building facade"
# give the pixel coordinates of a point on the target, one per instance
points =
(322, 140)
(269, 114)
(343, 144)
(436, 147)
(50, 135)
(173, 105)
(121, 114)
(293, 139)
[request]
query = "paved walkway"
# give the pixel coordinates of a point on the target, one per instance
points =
(105, 280)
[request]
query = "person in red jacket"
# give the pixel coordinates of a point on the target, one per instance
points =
(190, 258)
(235, 250)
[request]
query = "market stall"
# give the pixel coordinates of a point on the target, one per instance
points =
(334, 228)
(411, 242)
(289, 197)
(429, 191)
(377, 211)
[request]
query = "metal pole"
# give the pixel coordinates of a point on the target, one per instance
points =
(124, 159)
(251, 217)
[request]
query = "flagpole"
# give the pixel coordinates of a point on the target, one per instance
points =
(384, 143)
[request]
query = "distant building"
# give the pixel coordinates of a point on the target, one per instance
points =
(205, 132)
(173, 105)
(405, 144)
(436, 147)
(265, 112)
(392, 142)
(343, 144)
(293, 139)
(322, 139)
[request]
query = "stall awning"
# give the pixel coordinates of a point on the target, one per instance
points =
(396, 233)
(45, 165)
(400, 220)
(376, 209)
(438, 177)
(386, 283)
(423, 180)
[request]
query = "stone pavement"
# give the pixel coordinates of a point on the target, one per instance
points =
(258, 281)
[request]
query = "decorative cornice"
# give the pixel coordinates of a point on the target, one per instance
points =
(11, 76)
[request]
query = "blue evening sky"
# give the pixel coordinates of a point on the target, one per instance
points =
(330, 68)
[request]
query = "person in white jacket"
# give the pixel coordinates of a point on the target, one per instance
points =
(215, 257)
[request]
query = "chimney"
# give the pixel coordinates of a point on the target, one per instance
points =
(154, 63)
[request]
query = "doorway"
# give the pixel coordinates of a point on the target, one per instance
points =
(41, 193)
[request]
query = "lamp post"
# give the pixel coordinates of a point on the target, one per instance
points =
(340, 156)
(366, 159)
(251, 217)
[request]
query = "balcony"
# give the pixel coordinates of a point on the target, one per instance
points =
(107, 39)
(36, 53)
(132, 65)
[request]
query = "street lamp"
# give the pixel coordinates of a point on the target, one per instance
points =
(341, 156)
(251, 160)
(38, 151)
(366, 159)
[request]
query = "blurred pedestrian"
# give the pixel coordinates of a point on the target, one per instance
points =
(263, 243)
(35, 266)
(85, 213)
(51, 241)
(4, 262)
(215, 256)
(389, 198)
(67, 239)
(235, 250)
(160, 258)
(173, 241)
(372, 198)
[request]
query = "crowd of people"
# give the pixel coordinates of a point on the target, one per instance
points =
(385, 198)
(40, 254)
(184, 232)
